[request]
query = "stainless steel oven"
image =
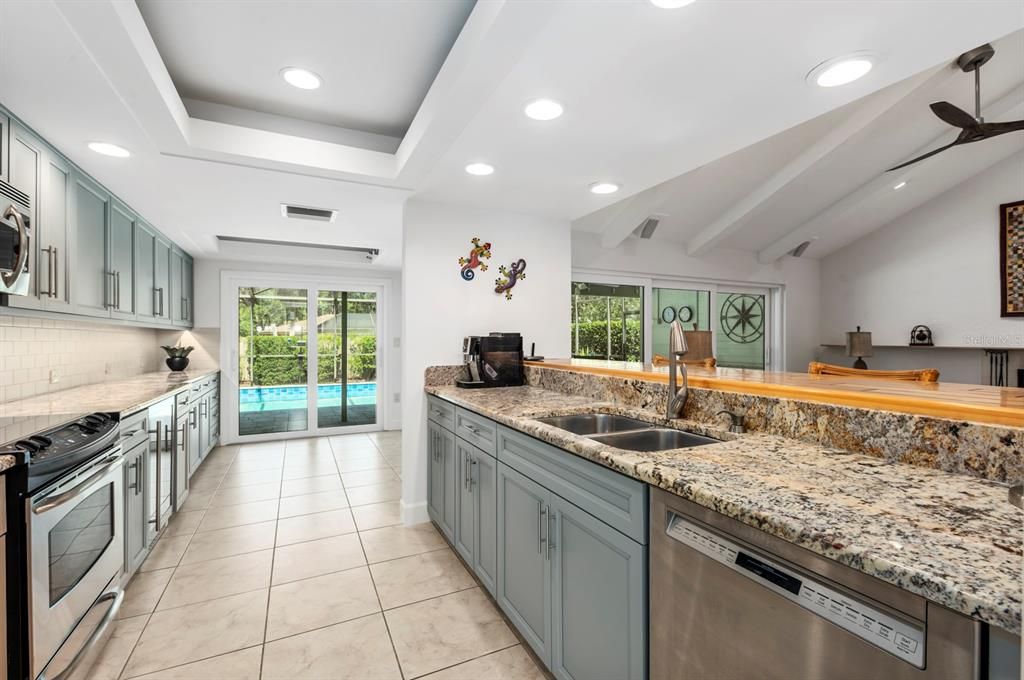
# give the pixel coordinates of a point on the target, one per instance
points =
(15, 241)
(76, 555)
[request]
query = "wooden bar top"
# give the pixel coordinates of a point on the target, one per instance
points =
(978, 403)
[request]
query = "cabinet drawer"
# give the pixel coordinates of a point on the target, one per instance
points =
(441, 412)
(181, 400)
(477, 430)
(615, 499)
(134, 429)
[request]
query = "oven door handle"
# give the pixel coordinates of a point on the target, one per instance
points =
(117, 595)
(51, 502)
(12, 277)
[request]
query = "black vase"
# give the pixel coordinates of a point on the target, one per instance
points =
(177, 363)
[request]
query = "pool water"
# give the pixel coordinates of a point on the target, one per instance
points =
(290, 397)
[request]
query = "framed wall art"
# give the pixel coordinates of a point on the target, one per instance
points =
(1011, 258)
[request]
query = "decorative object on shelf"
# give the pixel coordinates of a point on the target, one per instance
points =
(668, 314)
(509, 277)
(921, 336)
(998, 359)
(177, 357)
(477, 255)
(1011, 258)
(685, 314)
(858, 344)
(742, 317)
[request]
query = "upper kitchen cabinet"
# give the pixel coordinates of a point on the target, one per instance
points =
(121, 260)
(93, 290)
(145, 272)
(181, 284)
(5, 154)
(162, 267)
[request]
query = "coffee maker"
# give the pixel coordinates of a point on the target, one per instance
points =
(494, 360)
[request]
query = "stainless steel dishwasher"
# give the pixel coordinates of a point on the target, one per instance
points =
(731, 602)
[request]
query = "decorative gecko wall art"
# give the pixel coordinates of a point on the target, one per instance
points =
(479, 253)
(509, 277)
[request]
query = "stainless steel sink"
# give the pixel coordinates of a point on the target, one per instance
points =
(654, 440)
(595, 423)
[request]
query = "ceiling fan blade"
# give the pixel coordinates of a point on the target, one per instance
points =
(953, 115)
(921, 158)
(993, 129)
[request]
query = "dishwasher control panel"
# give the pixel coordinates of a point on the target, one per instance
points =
(896, 636)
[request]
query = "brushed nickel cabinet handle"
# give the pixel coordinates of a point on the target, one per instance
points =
(49, 273)
(541, 522)
(54, 269)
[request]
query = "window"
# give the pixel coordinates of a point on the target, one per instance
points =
(741, 324)
(691, 307)
(607, 321)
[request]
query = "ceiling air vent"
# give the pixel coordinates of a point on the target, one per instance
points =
(303, 212)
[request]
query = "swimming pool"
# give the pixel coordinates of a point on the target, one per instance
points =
(289, 397)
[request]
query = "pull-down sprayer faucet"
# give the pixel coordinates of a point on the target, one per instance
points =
(676, 349)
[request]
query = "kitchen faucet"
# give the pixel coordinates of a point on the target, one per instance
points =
(676, 349)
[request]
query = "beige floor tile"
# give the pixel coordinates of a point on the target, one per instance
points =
(438, 633)
(514, 663)
(377, 515)
(312, 603)
(373, 461)
(393, 459)
(298, 487)
(166, 553)
(389, 543)
(368, 451)
(111, 660)
(237, 515)
(315, 526)
(351, 442)
(294, 506)
(313, 558)
(204, 581)
(375, 493)
(207, 482)
(240, 665)
(184, 523)
(247, 465)
(143, 592)
(308, 445)
(245, 494)
(262, 448)
(209, 545)
(368, 477)
(233, 479)
(199, 631)
(354, 650)
(314, 468)
(419, 577)
(197, 500)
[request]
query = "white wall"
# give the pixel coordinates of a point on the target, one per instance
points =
(937, 265)
(799, 279)
(206, 334)
(440, 308)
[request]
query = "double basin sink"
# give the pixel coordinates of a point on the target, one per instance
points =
(626, 433)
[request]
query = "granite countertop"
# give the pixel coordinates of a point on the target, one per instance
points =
(952, 539)
(25, 416)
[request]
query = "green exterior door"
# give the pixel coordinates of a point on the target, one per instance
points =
(122, 261)
(484, 473)
(91, 210)
(524, 573)
(598, 598)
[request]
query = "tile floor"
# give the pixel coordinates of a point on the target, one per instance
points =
(288, 561)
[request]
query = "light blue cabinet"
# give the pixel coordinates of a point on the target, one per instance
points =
(162, 280)
(5, 152)
(121, 261)
(476, 523)
(91, 211)
(145, 271)
(441, 490)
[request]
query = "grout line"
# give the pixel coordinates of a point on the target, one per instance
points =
(456, 665)
(180, 665)
(376, 593)
(270, 591)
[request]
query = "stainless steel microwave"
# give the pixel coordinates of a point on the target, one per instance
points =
(15, 241)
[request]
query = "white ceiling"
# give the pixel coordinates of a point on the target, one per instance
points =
(650, 95)
(378, 59)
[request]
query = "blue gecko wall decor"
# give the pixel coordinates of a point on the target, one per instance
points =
(509, 277)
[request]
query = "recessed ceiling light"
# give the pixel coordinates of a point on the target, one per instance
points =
(841, 70)
(543, 109)
(301, 78)
(603, 188)
(671, 4)
(108, 149)
(900, 185)
(480, 169)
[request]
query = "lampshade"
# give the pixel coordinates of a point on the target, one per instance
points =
(858, 343)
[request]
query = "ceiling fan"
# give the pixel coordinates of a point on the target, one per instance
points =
(972, 128)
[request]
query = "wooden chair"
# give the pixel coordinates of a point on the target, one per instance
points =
(923, 375)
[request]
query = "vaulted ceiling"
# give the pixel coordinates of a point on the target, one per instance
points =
(653, 98)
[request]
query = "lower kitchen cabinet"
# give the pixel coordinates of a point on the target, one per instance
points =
(476, 523)
(136, 544)
(181, 458)
(193, 437)
(441, 488)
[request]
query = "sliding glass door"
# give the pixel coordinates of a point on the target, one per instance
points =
(306, 359)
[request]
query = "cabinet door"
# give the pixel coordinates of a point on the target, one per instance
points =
(5, 152)
(484, 475)
(465, 507)
(193, 437)
(134, 509)
(122, 261)
(145, 274)
(435, 474)
(204, 425)
(91, 213)
(524, 574)
(53, 234)
(177, 295)
(598, 598)
(187, 286)
(26, 162)
(180, 462)
(441, 489)
(162, 279)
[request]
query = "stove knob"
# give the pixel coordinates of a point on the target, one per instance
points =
(41, 441)
(27, 445)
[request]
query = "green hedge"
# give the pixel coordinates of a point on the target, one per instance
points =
(593, 340)
(281, 360)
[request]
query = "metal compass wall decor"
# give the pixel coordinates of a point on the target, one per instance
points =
(742, 317)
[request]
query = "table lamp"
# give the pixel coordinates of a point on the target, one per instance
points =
(858, 344)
